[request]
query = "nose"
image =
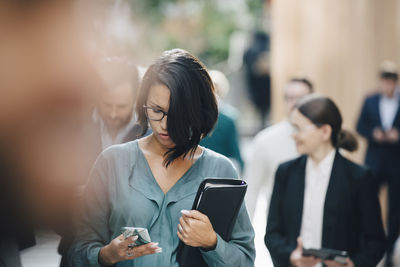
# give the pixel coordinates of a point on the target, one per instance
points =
(163, 123)
(113, 113)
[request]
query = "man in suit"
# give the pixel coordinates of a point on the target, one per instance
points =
(258, 79)
(114, 121)
(114, 115)
(272, 146)
(379, 123)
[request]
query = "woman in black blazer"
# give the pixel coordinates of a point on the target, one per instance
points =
(342, 213)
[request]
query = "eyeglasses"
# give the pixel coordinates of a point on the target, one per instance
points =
(297, 129)
(155, 114)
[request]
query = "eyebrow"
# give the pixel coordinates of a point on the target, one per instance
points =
(157, 106)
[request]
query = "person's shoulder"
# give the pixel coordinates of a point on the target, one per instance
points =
(214, 159)
(229, 110)
(356, 170)
(286, 169)
(120, 152)
(273, 132)
(225, 119)
(211, 155)
(293, 163)
(372, 97)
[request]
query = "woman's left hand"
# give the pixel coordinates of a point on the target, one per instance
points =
(195, 229)
(332, 263)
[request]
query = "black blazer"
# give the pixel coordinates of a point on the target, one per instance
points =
(382, 158)
(351, 220)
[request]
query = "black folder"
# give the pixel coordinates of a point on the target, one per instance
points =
(219, 199)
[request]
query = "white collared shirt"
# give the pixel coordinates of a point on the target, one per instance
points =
(271, 147)
(388, 109)
(316, 185)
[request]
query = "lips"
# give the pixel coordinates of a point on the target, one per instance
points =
(163, 136)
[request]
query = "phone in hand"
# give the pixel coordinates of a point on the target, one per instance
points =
(141, 233)
(339, 256)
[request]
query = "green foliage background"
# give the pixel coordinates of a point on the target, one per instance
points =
(205, 32)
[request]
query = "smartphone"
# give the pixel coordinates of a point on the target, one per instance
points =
(141, 233)
(339, 256)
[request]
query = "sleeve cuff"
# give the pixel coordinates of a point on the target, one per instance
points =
(93, 257)
(217, 254)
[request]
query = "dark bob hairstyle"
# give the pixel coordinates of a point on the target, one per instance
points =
(193, 109)
(321, 110)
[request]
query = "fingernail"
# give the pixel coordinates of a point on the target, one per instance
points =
(159, 250)
(186, 212)
(154, 245)
(180, 228)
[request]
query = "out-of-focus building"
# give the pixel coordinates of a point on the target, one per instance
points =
(339, 44)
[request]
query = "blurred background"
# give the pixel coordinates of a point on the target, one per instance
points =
(50, 52)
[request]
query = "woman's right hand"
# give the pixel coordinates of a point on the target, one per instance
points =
(297, 259)
(118, 250)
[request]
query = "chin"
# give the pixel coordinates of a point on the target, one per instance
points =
(301, 150)
(114, 124)
(166, 143)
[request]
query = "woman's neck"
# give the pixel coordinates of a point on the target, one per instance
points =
(151, 145)
(321, 152)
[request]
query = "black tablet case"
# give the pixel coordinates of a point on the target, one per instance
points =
(221, 205)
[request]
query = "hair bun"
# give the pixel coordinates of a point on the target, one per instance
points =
(347, 140)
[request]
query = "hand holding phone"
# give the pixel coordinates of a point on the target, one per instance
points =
(327, 254)
(141, 233)
(134, 242)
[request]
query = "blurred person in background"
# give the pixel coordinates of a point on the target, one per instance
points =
(224, 137)
(379, 123)
(321, 199)
(258, 79)
(46, 102)
(114, 122)
(272, 146)
(115, 116)
(151, 182)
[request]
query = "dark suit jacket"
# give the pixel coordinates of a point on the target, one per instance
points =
(382, 158)
(351, 219)
(133, 134)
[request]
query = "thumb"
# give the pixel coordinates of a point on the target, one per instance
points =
(195, 214)
(299, 243)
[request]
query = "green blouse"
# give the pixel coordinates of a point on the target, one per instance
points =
(122, 191)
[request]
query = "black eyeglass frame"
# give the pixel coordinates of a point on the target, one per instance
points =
(155, 110)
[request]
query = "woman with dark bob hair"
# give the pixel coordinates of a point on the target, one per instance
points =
(152, 182)
(321, 199)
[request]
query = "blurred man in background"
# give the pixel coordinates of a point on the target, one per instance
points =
(270, 147)
(379, 123)
(258, 79)
(224, 138)
(273, 146)
(114, 116)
